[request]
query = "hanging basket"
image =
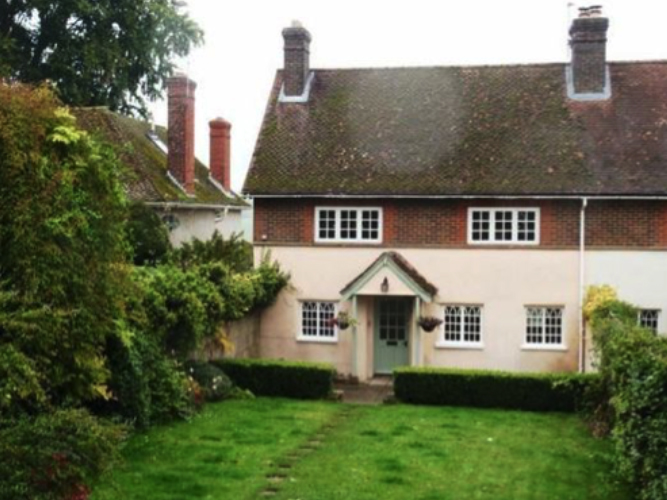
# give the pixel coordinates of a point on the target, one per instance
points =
(429, 323)
(343, 321)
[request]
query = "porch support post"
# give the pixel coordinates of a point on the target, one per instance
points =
(417, 336)
(355, 370)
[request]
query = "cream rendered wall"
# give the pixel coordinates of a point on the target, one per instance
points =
(639, 277)
(201, 224)
(504, 281)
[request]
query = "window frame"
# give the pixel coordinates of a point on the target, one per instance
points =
(359, 218)
(515, 226)
(657, 318)
(461, 344)
(544, 346)
(317, 338)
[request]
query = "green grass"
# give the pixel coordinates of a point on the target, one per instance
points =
(325, 451)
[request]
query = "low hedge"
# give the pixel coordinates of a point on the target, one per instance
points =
(492, 389)
(265, 377)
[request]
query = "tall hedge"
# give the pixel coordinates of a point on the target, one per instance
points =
(280, 378)
(633, 365)
(491, 389)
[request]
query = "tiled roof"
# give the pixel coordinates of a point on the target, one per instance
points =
(490, 130)
(146, 179)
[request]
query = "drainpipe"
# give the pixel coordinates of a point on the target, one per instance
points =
(354, 337)
(582, 284)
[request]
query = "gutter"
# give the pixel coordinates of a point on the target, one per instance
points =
(582, 285)
(462, 196)
(194, 206)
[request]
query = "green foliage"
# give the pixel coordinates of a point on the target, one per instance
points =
(62, 211)
(55, 456)
(280, 378)
(633, 366)
(107, 52)
(235, 253)
(215, 385)
(147, 235)
(491, 389)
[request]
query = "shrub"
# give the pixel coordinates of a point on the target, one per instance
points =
(215, 385)
(633, 366)
(56, 455)
(280, 378)
(148, 235)
(491, 389)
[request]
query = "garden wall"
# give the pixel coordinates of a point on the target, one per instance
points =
(243, 340)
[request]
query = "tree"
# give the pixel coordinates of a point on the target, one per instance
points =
(63, 254)
(96, 52)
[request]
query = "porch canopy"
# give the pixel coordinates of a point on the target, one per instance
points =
(390, 274)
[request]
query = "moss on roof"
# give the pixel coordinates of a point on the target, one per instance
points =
(490, 130)
(146, 179)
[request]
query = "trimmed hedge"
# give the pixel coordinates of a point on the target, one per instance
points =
(265, 377)
(492, 389)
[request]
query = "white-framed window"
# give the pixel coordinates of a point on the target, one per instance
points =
(544, 327)
(348, 225)
(516, 226)
(648, 318)
(317, 321)
(462, 326)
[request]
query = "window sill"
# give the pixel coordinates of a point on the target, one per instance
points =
(544, 347)
(449, 345)
(315, 340)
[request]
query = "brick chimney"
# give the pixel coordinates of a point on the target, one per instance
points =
(181, 136)
(220, 153)
(297, 59)
(588, 40)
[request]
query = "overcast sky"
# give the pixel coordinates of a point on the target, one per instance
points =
(243, 47)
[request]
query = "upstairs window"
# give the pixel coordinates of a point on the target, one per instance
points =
(648, 318)
(517, 226)
(348, 225)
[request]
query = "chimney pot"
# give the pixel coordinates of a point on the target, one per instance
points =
(181, 130)
(220, 151)
(297, 59)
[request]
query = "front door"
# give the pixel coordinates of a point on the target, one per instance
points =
(392, 330)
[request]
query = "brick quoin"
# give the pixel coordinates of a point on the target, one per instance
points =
(443, 223)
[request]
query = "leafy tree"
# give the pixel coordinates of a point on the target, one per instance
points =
(148, 236)
(96, 52)
(62, 247)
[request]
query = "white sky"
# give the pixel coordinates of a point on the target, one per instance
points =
(234, 70)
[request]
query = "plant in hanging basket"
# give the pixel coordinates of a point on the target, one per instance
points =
(429, 323)
(343, 321)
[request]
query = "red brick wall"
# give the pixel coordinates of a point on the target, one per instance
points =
(443, 223)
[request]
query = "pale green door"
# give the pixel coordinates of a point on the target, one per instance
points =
(392, 330)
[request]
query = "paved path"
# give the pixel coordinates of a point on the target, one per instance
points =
(372, 392)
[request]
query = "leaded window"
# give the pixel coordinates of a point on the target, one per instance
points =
(462, 324)
(648, 318)
(317, 320)
(544, 326)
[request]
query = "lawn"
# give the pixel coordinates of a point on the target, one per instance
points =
(289, 450)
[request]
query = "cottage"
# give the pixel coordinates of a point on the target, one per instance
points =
(193, 200)
(488, 197)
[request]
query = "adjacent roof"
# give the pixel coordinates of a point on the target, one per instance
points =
(491, 130)
(146, 179)
(403, 269)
